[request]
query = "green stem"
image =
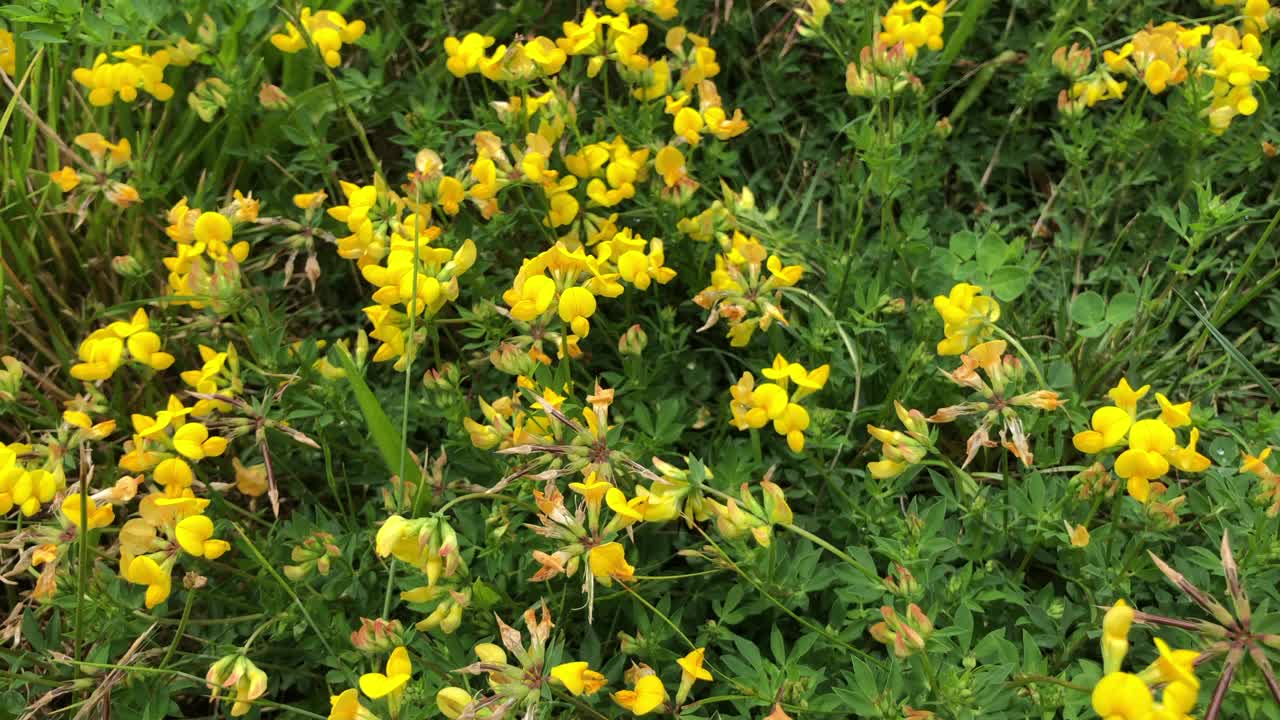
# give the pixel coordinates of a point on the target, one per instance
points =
(182, 627)
(257, 555)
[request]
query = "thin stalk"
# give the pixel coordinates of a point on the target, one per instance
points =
(257, 555)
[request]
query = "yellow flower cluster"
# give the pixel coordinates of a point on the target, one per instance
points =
(205, 264)
(24, 486)
(755, 405)
(219, 374)
(1152, 444)
(913, 24)
(1169, 55)
(1257, 15)
(238, 674)
(969, 318)
(136, 69)
(998, 399)
(508, 424)
(664, 9)
(1125, 695)
(900, 450)
(1236, 68)
(370, 214)
(328, 31)
(104, 351)
(603, 173)
(415, 280)
(1157, 55)
(107, 157)
(430, 546)
(742, 292)
(565, 283)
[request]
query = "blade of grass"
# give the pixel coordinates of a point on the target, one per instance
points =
(1232, 351)
(384, 434)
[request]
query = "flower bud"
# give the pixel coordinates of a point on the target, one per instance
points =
(1073, 62)
(451, 701)
(633, 341)
(272, 97)
(378, 636)
(128, 266)
(775, 504)
(511, 360)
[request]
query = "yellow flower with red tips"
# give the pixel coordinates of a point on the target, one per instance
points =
(578, 678)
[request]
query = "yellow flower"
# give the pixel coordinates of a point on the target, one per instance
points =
(193, 441)
(1078, 535)
(688, 124)
(99, 516)
(578, 678)
(1187, 459)
(251, 480)
(8, 53)
(792, 423)
(1126, 398)
(328, 31)
(145, 571)
(67, 179)
(465, 55)
(968, 317)
(391, 685)
(901, 25)
(1175, 416)
(1122, 696)
(609, 562)
(346, 706)
(451, 701)
(691, 665)
(529, 297)
(1172, 666)
(1256, 465)
(647, 696)
(1109, 427)
(1149, 442)
(577, 305)
(195, 536)
(1115, 635)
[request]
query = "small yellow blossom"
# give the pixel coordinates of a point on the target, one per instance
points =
(578, 678)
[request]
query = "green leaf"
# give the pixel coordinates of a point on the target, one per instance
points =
(991, 253)
(1089, 308)
(1122, 308)
(964, 244)
(384, 434)
(1007, 283)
